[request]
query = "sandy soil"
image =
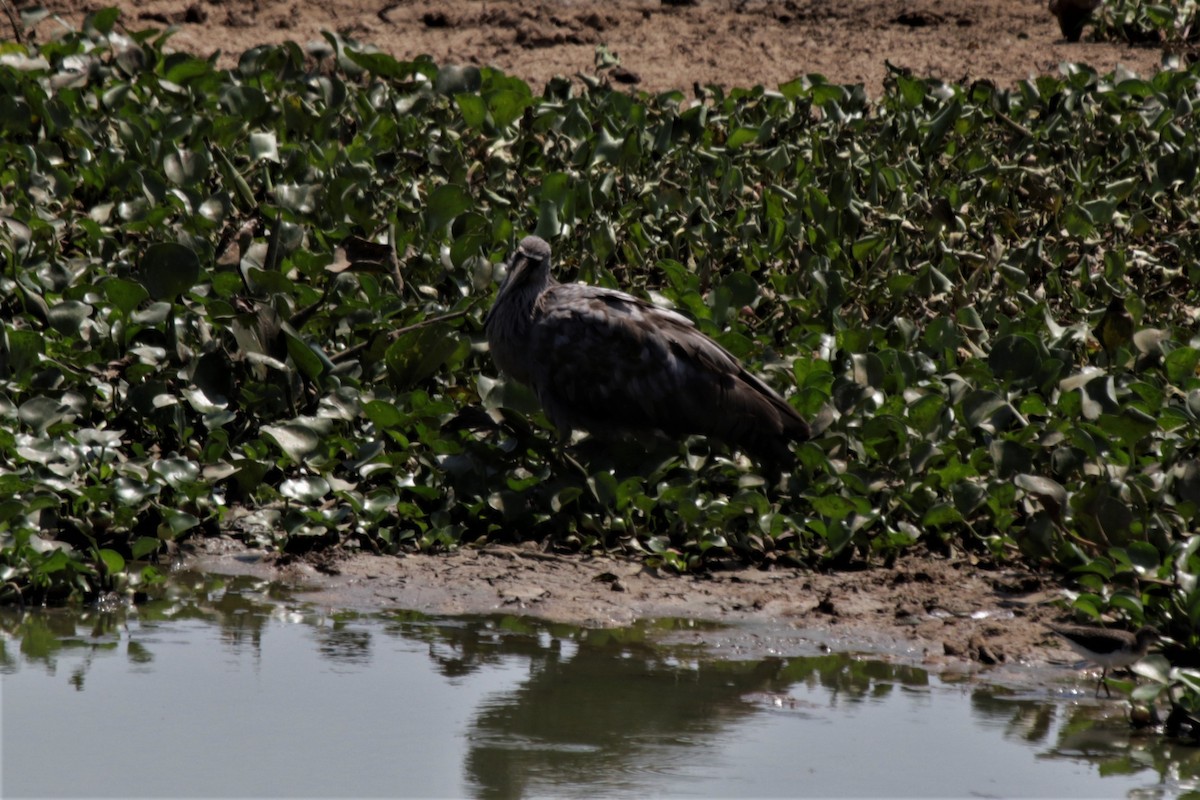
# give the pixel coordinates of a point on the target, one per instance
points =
(923, 609)
(662, 44)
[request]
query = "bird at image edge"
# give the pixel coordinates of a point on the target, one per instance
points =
(611, 364)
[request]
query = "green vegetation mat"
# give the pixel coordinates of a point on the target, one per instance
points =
(250, 300)
(1137, 21)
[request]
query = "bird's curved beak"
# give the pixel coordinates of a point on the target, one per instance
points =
(516, 267)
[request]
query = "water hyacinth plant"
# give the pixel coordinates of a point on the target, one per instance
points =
(250, 300)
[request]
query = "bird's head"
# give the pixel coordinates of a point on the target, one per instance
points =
(528, 265)
(530, 259)
(1147, 636)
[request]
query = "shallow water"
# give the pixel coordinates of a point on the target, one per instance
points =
(229, 688)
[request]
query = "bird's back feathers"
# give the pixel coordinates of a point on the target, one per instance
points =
(610, 363)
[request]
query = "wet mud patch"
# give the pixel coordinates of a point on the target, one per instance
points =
(923, 609)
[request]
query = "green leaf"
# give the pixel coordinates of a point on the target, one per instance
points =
(1144, 557)
(103, 21)
(68, 316)
(309, 489)
(378, 63)
(832, 506)
(1078, 222)
(417, 355)
(168, 270)
(298, 440)
(506, 97)
(941, 514)
(144, 546)
(179, 521)
(185, 69)
(25, 349)
(178, 473)
(40, 412)
(1014, 357)
(263, 147)
(1045, 488)
(445, 203)
(113, 561)
(741, 137)
(1181, 364)
(912, 90)
(472, 108)
(311, 362)
(383, 415)
(133, 492)
(125, 295)
(1130, 426)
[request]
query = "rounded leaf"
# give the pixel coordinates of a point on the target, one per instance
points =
(41, 412)
(177, 472)
(445, 203)
(113, 561)
(1014, 357)
(298, 441)
(1045, 488)
(305, 490)
(169, 269)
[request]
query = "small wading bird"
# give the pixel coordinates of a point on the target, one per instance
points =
(1109, 648)
(608, 363)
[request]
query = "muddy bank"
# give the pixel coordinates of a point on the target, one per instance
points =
(925, 610)
(662, 46)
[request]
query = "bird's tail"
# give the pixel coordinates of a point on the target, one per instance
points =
(754, 418)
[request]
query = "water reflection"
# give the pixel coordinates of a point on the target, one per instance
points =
(1093, 732)
(558, 710)
(588, 717)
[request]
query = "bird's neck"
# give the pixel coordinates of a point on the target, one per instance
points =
(525, 297)
(509, 323)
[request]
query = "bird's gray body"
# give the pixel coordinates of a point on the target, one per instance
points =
(611, 364)
(1111, 649)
